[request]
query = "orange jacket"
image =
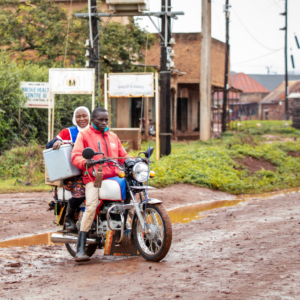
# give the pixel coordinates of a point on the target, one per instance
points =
(110, 146)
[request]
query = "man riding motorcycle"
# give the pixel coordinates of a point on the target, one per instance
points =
(97, 134)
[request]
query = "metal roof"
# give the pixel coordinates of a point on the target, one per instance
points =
(278, 94)
(247, 84)
(271, 81)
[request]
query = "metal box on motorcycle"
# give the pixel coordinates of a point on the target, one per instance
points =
(58, 163)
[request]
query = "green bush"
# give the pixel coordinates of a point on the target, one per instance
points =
(213, 164)
(24, 162)
(11, 99)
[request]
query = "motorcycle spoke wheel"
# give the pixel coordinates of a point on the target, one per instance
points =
(154, 245)
(72, 248)
(149, 242)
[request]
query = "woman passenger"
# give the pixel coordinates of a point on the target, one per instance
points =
(81, 120)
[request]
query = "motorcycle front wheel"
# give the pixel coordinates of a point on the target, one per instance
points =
(155, 245)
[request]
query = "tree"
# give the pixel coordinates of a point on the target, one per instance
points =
(121, 47)
(11, 99)
(37, 30)
(34, 34)
(34, 25)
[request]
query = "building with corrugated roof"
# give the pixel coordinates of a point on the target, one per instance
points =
(245, 105)
(253, 91)
(272, 107)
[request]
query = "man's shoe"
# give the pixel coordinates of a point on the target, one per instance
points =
(69, 219)
(81, 255)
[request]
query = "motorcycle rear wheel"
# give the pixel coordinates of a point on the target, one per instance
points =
(156, 245)
(89, 249)
(72, 248)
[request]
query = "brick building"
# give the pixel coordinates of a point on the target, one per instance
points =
(272, 107)
(185, 80)
(80, 4)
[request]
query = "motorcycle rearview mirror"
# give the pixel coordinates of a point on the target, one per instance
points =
(88, 153)
(149, 152)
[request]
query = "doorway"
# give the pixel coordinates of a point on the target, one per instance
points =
(136, 106)
(182, 114)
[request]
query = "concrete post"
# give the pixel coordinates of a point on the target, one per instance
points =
(146, 114)
(205, 73)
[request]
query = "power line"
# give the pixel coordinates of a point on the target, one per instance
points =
(274, 3)
(277, 4)
(252, 34)
(257, 57)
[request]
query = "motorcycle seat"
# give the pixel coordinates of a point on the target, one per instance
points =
(113, 189)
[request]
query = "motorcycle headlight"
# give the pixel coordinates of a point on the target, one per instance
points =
(140, 172)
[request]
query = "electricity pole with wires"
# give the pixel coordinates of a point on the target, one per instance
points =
(93, 53)
(226, 85)
(286, 59)
(165, 81)
(96, 56)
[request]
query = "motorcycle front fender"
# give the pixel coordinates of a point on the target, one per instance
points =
(149, 201)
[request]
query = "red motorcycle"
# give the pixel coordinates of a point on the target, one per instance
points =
(126, 222)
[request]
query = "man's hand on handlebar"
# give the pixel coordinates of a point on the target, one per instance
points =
(90, 162)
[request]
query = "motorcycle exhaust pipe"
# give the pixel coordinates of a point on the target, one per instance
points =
(68, 239)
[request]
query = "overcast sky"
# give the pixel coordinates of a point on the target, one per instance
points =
(255, 39)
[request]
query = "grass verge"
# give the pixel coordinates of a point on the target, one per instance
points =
(257, 127)
(213, 164)
(9, 186)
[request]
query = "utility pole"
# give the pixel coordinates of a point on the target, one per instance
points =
(96, 54)
(224, 112)
(286, 59)
(165, 82)
(205, 73)
(92, 45)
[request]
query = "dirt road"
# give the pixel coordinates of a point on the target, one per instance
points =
(248, 251)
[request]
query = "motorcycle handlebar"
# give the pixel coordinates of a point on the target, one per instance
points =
(104, 160)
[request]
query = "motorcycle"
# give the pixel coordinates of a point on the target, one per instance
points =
(151, 129)
(126, 222)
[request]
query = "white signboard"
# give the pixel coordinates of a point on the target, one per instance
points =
(72, 81)
(37, 94)
(127, 85)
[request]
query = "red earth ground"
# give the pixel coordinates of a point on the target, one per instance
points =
(247, 251)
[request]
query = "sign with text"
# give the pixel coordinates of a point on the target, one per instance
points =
(72, 81)
(37, 94)
(131, 85)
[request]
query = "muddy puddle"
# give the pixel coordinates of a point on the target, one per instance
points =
(186, 214)
(183, 214)
(38, 239)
